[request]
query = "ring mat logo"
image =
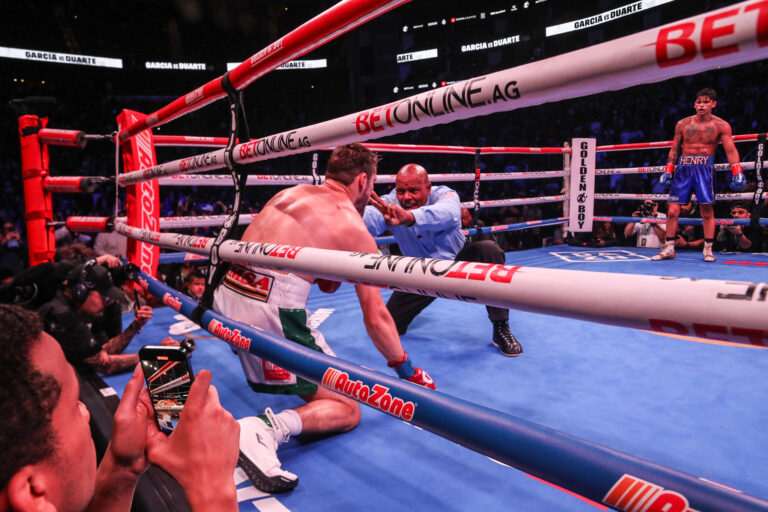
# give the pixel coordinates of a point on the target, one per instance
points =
(599, 256)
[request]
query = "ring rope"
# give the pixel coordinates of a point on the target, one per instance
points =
(178, 257)
(726, 196)
(683, 221)
(750, 137)
(203, 180)
(748, 166)
(500, 228)
(705, 308)
(84, 223)
(589, 469)
(628, 61)
(321, 29)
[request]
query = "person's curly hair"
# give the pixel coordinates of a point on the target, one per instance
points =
(27, 397)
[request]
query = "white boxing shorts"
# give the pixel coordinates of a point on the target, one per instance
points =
(274, 302)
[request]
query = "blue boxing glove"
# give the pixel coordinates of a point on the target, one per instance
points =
(738, 181)
(666, 178)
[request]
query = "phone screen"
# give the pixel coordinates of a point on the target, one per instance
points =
(169, 377)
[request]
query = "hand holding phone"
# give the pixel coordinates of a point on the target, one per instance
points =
(169, 376)
(202, 452)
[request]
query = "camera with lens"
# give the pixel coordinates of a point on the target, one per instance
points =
(123, 273)
(646, 209)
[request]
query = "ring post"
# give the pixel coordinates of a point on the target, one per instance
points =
(142, 199)
(41, 240)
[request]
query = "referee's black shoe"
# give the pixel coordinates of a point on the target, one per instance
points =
(505, 340)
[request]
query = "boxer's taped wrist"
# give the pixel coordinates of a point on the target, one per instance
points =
(404, 368)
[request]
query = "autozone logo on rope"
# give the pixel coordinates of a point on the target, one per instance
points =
(632, 494)
(377, 396)
(171, 301)
(235, 337)
(197, 161)
(273, 144)
(471, 94)
(674, 38)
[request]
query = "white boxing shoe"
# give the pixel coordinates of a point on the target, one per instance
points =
(258, 454)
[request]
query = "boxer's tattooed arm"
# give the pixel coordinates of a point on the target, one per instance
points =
(674, 152)
(119, 342)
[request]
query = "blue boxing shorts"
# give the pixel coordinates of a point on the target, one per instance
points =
(695, 172)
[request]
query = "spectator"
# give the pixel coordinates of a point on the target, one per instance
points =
(648, 234)
(603, 235)
(194, 284)
(13, 250)
(740, 238)
(49, 459)
(75, 318)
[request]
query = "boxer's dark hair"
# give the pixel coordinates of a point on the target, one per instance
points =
(708, 92)
(27, 397)
(346, 162)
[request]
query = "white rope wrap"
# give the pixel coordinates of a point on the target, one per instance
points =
(731, 311)
(613, 65)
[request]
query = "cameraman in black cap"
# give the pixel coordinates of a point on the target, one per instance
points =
(75, 318)
(648, 234)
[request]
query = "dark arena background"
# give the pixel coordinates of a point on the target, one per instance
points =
(676, 399)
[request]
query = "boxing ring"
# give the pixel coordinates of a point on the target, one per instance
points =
(730, 311)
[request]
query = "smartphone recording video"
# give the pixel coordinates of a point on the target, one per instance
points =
(169, 377)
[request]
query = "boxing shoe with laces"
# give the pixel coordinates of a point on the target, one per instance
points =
(505, 340)
(667, 253)
(259, 440)
(707, 253)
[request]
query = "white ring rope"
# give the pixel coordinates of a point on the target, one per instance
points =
(632, 60)
(730, 196)
(747, 166)
(206, 221)
(211, 180)
(495, 203)
(730, 311)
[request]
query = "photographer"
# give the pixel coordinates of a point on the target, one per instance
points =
(648, 235)
(75, 317)
(13, 250)
(739, 238)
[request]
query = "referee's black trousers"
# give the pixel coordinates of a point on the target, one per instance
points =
(404, 306)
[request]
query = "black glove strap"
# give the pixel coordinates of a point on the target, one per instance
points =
(760, 172)
(238, 130)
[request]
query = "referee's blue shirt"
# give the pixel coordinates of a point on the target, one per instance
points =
(436, 232)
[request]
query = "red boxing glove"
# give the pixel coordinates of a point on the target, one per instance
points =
(406, 371)
(670, 168)
(736, 169)
(327, 286)
(422, 378)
